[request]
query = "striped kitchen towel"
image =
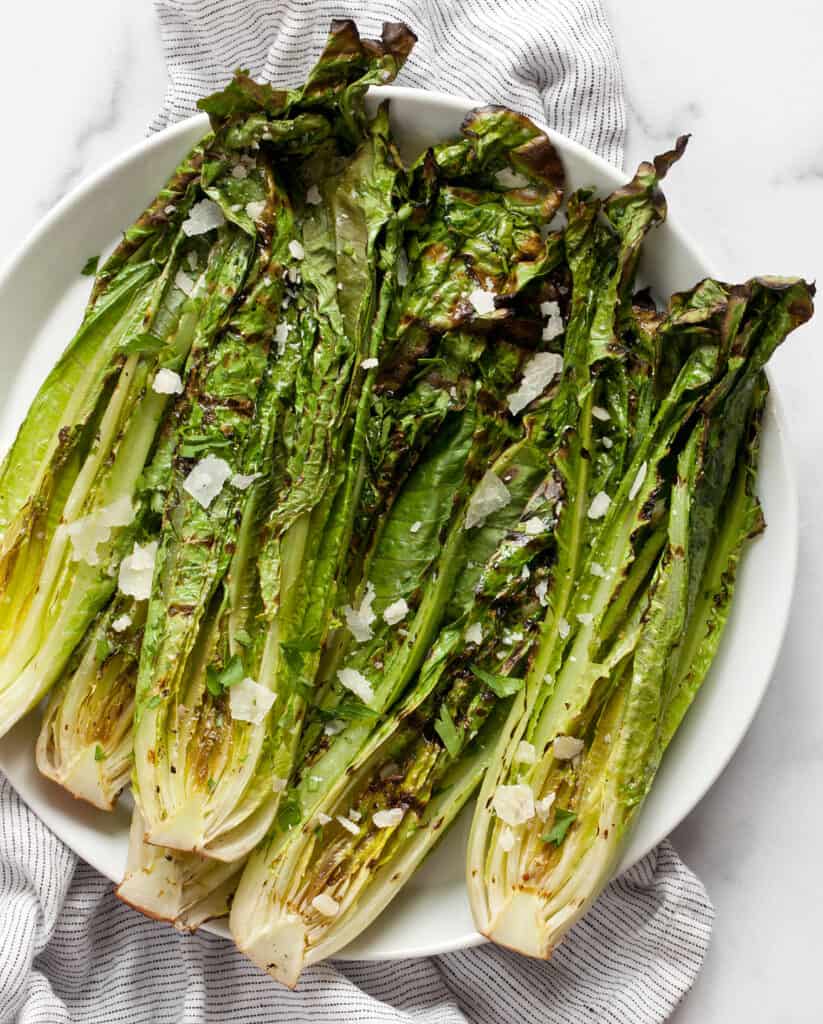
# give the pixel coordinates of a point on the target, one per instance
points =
(69, 950)
(553, 60)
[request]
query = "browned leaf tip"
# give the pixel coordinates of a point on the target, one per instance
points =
(397, 40)
(535, 156)
(540, 159)
(664, 161)
(343, 39)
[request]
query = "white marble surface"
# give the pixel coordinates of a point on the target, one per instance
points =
(80, 82)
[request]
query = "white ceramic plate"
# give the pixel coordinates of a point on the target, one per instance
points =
(41, 300)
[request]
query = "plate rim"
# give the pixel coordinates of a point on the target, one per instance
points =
(460, 104)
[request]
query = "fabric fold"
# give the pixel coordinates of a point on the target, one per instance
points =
(553, 60)
(70, 951)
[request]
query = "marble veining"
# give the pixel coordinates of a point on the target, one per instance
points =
(95, 123)
(750, 190)
(803, 171)
(662, 131)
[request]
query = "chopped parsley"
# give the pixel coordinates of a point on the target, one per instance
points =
(447, 731)
(562, 823)
(219, 680)
(503, 686)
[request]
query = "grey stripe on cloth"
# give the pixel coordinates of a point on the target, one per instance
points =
(69, 950)
(553, 60)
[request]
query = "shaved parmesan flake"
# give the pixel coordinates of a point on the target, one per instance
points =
(254, 210)
(240, 171)
(359, 620)
(325, 904)
(638, 481)
(121, 623)
(474, 634)
(585, 618)
(335, 726)
(506, 840)
(415, 527)
(313, 197)
(544, 806)
(120, 512)
(89, 531)
(597, 570)
(511, 179)
(566, 747)
(249, 701)
(354, 815)
(483, 300)
(323, 819)
(184, 282)
(563, 627)
(357, 683)
(540, 592)
(525, 572)
(607, 442)
(554, 327)
(554, 320)
(136, 571)
(533, 526)
(206, 479)
(538, 373)
(513, 804)
(388, 818)
(191, 259)
(402, 266)
(490, 495)
(281, 336)
(526, 754)
(243, 481)
(600, 505)
(167, 382)
(348, 825)
(601, 414)
(296, 249)
(368, 364)
(85, 535)
(203, 216)
(396, 612)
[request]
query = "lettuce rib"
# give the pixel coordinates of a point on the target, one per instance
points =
(104, 436)
(85, 742)
(609, 696)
